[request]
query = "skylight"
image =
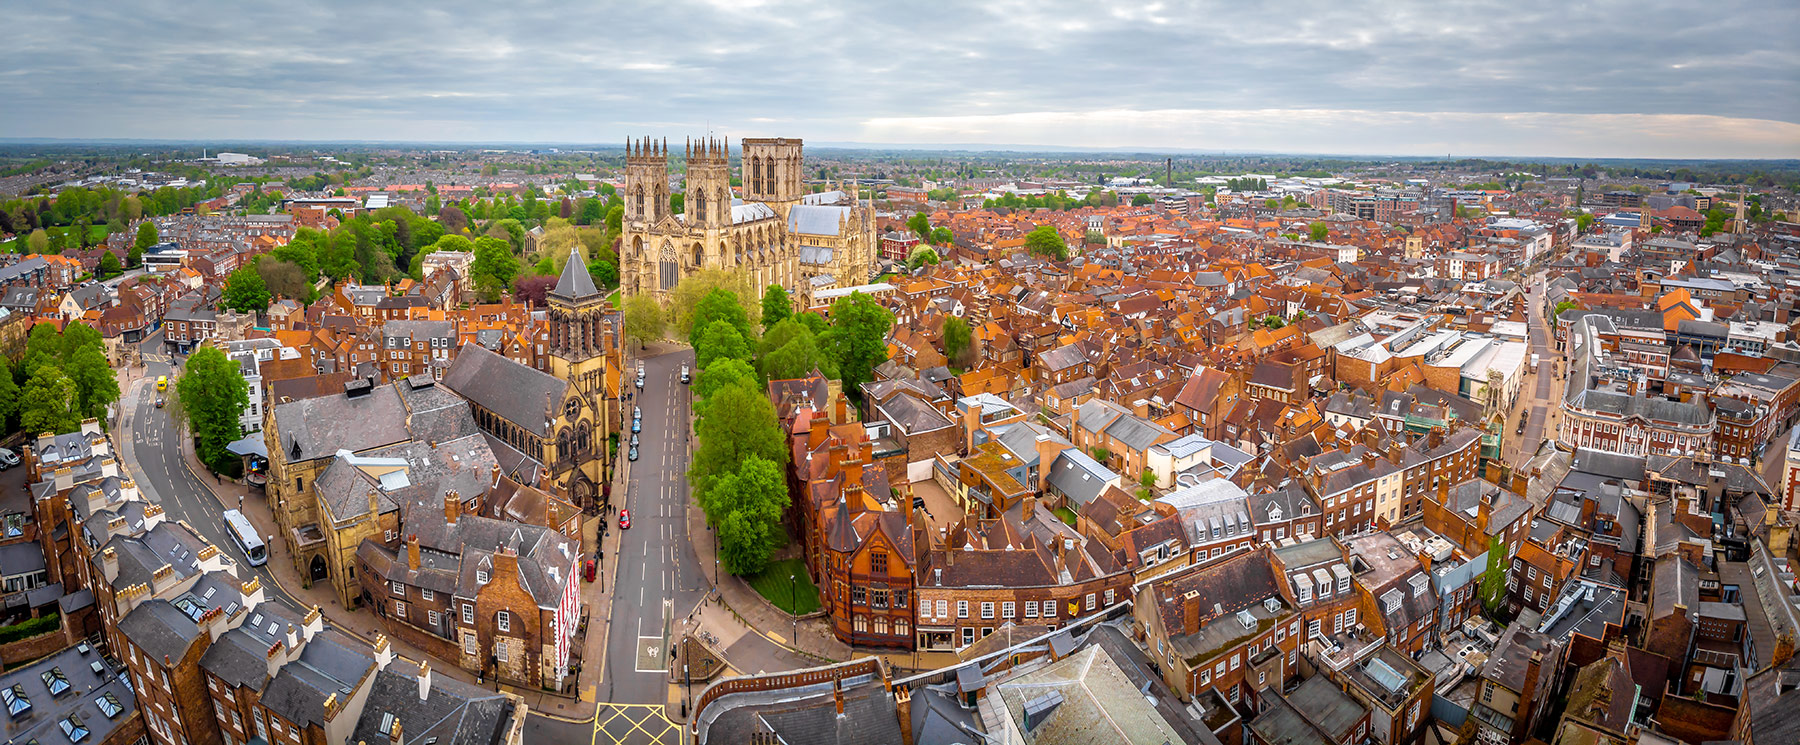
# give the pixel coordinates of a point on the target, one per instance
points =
(55, 681)
(16, 701)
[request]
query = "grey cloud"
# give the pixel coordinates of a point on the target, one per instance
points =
(539, 71)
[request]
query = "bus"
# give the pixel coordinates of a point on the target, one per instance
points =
(244, 534)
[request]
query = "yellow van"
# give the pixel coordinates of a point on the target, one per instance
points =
(162, 382)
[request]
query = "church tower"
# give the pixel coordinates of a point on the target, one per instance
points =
(708, 200)
(646, 204)
(587, 351)
(773, 172)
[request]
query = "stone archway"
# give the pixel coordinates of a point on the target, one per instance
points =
(317, 569)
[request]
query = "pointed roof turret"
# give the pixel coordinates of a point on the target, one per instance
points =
(575, 283)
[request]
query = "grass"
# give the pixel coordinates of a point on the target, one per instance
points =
(614, 297)
(96, 232)
(798, 599)
(1067, 515)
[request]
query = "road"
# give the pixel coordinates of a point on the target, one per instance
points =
(1543, 396)
(153, 453)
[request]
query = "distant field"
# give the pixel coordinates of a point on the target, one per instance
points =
(97, 234)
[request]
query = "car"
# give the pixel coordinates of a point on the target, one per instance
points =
(624, 519)
(160, 400)
(685, 377)
(8, 458)
(637, 426)
(637, 412)
(632, 454)
(634, 440)
(162, 382)
(640, 382)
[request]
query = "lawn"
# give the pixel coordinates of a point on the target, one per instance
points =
(96, 232)
(1067, 515)
(773, 584)
(614, 298)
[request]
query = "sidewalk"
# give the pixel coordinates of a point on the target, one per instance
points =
(365, 626)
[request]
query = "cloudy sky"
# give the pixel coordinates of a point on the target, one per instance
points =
(1516, 78)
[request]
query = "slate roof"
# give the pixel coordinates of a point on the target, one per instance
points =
(42, 723)
(332, 663)
(517, 393)
(159, 628)
(815, 219)
(453, 712)
(322, 426)
(240, 656)
(575, 282)
(805, 714)
(1099, 703)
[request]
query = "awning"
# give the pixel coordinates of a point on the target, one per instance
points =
(252, 445)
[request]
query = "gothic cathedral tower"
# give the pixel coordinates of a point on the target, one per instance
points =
(773, 172)
(587, 351)
(646, 204)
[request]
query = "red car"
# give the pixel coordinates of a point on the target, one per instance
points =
(624, 519)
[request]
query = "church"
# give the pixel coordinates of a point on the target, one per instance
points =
(777, 232)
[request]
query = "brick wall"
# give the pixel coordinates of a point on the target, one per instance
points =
(524, 637)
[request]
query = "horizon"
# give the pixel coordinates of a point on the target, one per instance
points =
(1518, 81)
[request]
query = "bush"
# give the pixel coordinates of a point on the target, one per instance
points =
(34, 627)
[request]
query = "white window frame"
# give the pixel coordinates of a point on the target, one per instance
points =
(504, 620)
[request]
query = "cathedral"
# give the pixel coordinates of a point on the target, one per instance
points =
(777, 232)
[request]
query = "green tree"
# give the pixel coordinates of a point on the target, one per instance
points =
(109, 265)
(1146, 484)
(746, 506)
(444, 243)
(95, 385)
(1142, 200)
(719, 340)
(957, 340)
(684, 303)
(615, 218)
(718, 304)
(644, 319)
(719, 375)
(776, 306)
(38, 242)
(857, 339)
(245, 291)
(739, 422)
(922, 256)
(1046, 242)
(494, 267)
(147, 236)
(1318, 230)
(50, 404)
(920, 225)
(43, 346)
(9, 395)
(942, 237)
(212, 395)
(790, 350)
(677, 204)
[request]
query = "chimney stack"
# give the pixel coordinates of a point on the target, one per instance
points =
(424, 680)
(452, 507)
(1047, 450)
(1190, 613)
(412, 551)
(384, 652)
(293, 641)
(837, 694)
(394, 734)
(1027, 507)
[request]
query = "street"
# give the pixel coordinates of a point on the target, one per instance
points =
(1542, 399)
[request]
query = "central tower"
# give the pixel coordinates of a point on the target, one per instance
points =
(773, 172)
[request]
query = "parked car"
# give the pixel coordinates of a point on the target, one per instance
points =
(640, 382)
(634, 440)
(633, 454)
(8, 458)
(624, 519)
(637, 426)
(685, 377)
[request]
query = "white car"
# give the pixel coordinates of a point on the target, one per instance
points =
(8, 458)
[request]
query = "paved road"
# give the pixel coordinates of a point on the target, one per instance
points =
(1543, 393)
(153, 453)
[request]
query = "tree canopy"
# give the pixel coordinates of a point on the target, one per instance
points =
(245, 291)
(958, 343)
(1044, 241)
(212, 395)
(746, 506)
(719, 341)
(776, 305)
(644, 319)
(857, 339)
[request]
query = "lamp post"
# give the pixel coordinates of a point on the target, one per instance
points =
(793, 606)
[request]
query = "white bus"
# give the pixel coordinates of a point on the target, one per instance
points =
(245, 535)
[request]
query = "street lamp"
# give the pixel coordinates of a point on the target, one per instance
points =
(793, 605)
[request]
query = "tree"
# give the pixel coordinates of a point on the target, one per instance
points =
(791, 350)
(43, 346)
(718, 376)
(718, 304)
(95, 385)
(956, 339)
(1046, 242)
(1146, 484)
(38, 242)
(739, 422)
(677, 204)
(534, 289)
(49, 404)
(1142, 200)
(1318, 230)
(685, 301)
(147, 236)
(9, 395)
(445, 243)
(109, 265)
(942, 237)
(212, 394)
(245, 291)
(746, 506)
(922, 256)
(776, 306)
(719, 340)
(857, 339)
(644, 319)
(285, 279)
(494, 267)
(920, 225)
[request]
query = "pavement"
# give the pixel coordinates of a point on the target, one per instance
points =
(1544, 386)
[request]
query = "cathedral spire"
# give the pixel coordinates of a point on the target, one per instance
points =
(575, 283)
